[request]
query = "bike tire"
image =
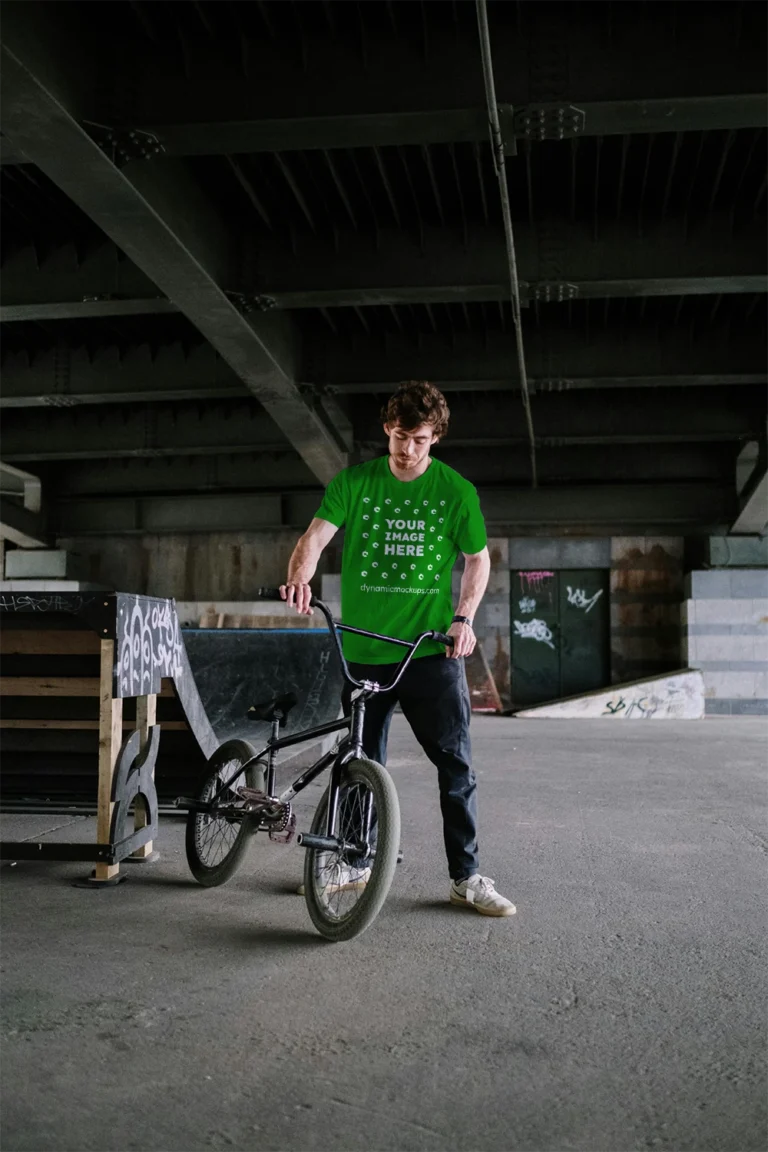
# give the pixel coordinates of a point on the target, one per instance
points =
(376, 778)
(201, 829)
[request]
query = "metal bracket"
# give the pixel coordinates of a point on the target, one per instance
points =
(246, 302)
(508, 132)
(553, 292)
(124, 144)
(134, 777)
(549, 122)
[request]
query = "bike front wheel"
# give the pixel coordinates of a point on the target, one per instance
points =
(344, 890)
(216, 843)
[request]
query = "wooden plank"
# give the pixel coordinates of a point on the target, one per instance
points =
(56, 642)
(146, 717)
(86, 725)
(49, 685)
(56, 685)
(110, 739)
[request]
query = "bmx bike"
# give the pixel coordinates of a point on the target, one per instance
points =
(353, 843)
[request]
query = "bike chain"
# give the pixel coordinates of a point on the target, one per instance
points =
(282, 826)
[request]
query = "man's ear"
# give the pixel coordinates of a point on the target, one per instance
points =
(388, 429)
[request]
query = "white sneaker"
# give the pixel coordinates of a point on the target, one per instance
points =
(344, 878)
(479, 893)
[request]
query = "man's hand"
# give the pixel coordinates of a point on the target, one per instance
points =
(298, 596)
(464, 641)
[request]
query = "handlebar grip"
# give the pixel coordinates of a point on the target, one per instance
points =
(441, 638)
(268, 594)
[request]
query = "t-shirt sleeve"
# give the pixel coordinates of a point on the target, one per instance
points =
(334, 505)
(470, 535)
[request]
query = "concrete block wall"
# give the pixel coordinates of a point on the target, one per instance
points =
(646, 593)
(215, 566)
(725, 635)
(492, 618)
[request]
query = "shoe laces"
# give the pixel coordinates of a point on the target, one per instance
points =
(485, 885)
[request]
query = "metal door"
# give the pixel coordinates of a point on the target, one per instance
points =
(559, 634)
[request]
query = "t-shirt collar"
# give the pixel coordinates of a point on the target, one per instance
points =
(407, 483)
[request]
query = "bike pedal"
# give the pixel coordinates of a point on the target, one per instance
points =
(285, 835)
(252, 794)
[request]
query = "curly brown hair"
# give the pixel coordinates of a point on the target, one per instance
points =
(417, 402)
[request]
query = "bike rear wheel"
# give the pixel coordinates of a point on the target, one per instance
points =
(216, 844)
(345, 892)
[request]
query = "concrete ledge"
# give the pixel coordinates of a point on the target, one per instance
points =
(42, 564)
(727, 584)
(674, 696)
(736, 706)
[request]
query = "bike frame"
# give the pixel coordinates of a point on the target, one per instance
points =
(351, 748)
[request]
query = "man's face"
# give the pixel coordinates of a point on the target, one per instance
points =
(410, 447)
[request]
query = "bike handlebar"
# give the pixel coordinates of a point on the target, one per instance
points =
(335, 627)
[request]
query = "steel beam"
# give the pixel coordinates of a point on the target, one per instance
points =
(439, 268)
(286, 472)
(556, 261)
(70, 284)
(570, 287)
(24, 528)
(159, 218)
(269, 471)
(450, 125)
(102, 274)
(557, 358)
(87, 309)
(752, 517)
(731, 414)
(158, 430)
(65, 377)
(600, 509)
(567, 383)
(199, 102)
(610, 508)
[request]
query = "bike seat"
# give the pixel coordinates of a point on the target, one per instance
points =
(275, 709)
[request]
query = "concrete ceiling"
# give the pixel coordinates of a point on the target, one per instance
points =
(230, 229)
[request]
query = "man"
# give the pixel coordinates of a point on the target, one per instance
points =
(407, 516)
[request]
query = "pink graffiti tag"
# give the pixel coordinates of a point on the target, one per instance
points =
(533, 581)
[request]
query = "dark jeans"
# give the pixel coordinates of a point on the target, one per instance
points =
(434, 698)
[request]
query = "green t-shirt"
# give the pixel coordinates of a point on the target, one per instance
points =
(402, 539)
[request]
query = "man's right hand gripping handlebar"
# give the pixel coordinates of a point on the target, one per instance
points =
(298, 596)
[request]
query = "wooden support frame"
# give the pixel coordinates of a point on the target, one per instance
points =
(110, 739)
(140, 651)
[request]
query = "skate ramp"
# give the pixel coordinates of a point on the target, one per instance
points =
(673, 696)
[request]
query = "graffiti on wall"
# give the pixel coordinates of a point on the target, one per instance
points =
(527, 605)
(644, 707)
(534, 630)
(534, 581)
(578, 597)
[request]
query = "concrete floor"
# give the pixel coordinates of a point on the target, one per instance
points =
(622, 1008)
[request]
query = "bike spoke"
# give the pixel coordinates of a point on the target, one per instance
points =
(215, 835)
(336, 873)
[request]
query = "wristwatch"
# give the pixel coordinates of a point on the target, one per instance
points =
(462, 620)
